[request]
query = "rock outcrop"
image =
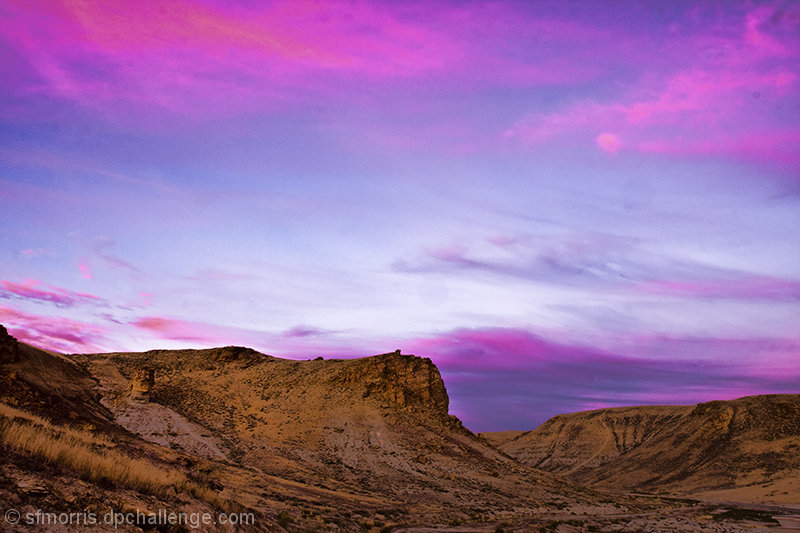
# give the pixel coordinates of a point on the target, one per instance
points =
(404, 381)
(141, 385)
(9, 348)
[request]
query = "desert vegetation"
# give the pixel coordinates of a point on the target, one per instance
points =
(94, 456)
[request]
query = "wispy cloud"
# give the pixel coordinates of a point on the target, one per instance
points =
(30, 290)
(175, 329)
(104, 247)
(725, 100)
(85, 270)
(596, 261)
(32, 253)
(744, 288)
(213, 54)
(226, 58)
(55, 333)
(303, 331)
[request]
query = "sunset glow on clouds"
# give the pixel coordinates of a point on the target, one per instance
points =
(566, 205)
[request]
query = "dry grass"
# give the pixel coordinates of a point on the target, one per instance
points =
(92, 457)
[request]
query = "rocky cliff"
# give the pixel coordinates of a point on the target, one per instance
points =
(9, 348)
(47, 383)
(404, 381)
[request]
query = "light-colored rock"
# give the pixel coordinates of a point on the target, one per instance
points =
(141, 385)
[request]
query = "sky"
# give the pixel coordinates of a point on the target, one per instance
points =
(565, 205)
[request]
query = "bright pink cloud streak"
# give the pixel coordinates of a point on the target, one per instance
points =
(175, 329)
(186, 56)
(753, 288)
(179, 55)
(501, 378)
(55, 333)
(732, 103)
(28, 290)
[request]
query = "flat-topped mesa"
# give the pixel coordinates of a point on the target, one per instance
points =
(9, 347)
(405, 381)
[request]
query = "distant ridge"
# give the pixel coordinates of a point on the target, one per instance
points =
(744, 449)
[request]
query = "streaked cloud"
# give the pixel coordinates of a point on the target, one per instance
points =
(55, 333)
(174, 329)
(36, 291)
(503, 378)
(724, 100)
(595, 262)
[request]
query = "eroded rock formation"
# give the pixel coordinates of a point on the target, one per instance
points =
(141, 385)
(405, 381)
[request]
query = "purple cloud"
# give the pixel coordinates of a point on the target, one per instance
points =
(722, 101)
(55, 333)
(29, 290)
(503, 378)
(596, 262)
(745, 288)
(303, 331)
(175, 329)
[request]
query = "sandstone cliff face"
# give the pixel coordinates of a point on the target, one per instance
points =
(9, 348)
(404, 381)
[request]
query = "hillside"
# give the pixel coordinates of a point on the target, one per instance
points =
(741, 450)
(375, 431)
(321, 445)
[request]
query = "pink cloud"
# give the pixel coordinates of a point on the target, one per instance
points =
(104, 249)
(175, 329)
(83, 266)
(29, 290)
(223, 58)
(731, 102)
(303, 331)
(753, 287)
(609, 143)
(54, 333)
(184, 54)
(511, 378)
